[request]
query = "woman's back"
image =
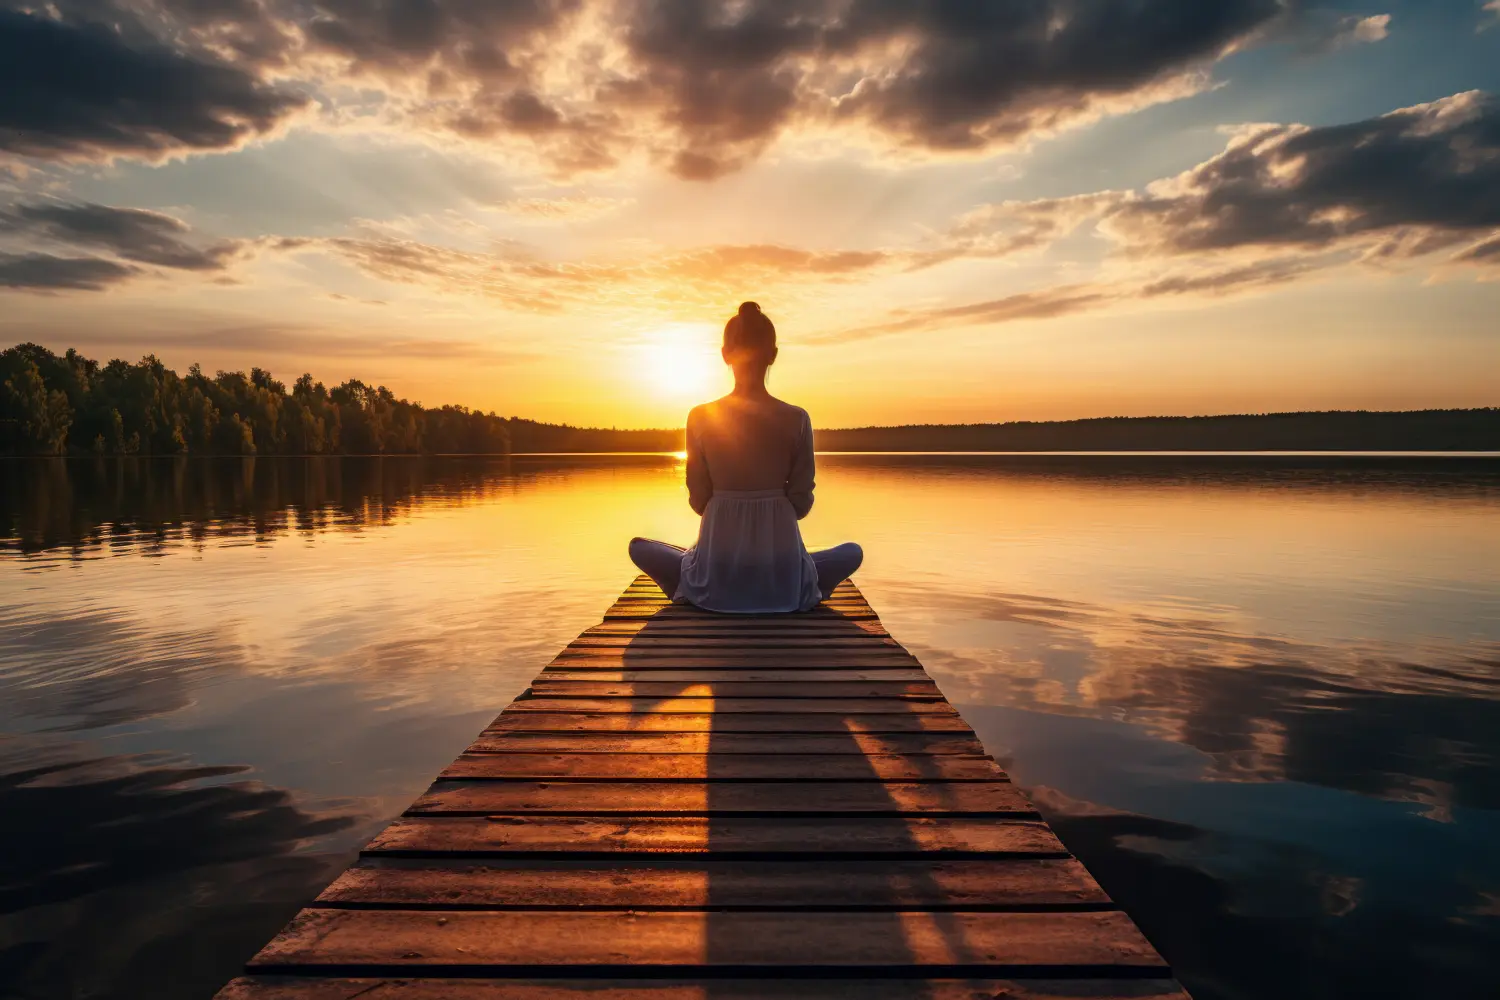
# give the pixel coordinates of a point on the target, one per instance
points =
(749, 443)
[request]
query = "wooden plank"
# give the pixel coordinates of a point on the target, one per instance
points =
(716, 744)
(722, 624)
(563, 721)
(732, 798)
(728, 838)
(721, 707)
(679, 885)
(643, 610)
(616, 766)
(1101, 942)
(681, 659)
(713, 675)
(749, 640)
(636, 988)
(545, 686)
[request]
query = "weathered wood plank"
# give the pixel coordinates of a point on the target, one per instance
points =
(451, 797)
(643, 610)
(736, 837)
(734, 690)
(897, 675)
(797, 885)
(793, 766)
(680, 659)
(751, 641)
(1100, 942)
(716, 744)
(720, 707)
(726, 623)
(635, 988)
(562, 721)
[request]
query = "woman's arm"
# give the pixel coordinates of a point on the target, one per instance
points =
(799, 482)
(700, 486)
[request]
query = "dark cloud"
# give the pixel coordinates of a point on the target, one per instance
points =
(1280, 203)
(940, 75)
(1410, 176)
(76, 88)
(132, 233)
(481, 39)
(45, 272)
(703, 85)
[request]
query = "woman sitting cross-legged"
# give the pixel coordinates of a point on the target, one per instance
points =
(750, 477)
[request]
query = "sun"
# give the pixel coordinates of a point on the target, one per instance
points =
(679, 362)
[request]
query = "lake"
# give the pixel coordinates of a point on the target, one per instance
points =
(1259, 697)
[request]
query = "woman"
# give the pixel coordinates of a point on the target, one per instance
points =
(750, 477)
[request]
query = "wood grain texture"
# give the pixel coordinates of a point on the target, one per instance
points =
(710, 675)
(687, 884)
(793, 767)
(548, 687)
(451, 796)
(274, 987)
(801, 745)
(721, 707)
(692, 806)
(561, 720)
(1100, 942)
(738, 837)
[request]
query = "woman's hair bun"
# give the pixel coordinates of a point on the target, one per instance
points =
(749, 308)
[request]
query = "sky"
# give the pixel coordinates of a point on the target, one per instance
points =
(953, 210)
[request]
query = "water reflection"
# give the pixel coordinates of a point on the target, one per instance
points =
(1260, 697)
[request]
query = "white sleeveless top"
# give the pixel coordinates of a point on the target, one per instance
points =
(749, 558)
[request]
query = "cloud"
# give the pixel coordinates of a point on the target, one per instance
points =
(77, 89)
(44, 272)
(1280, 203)
(702, 86)
(724, 79)
(131, 233)
(1316, 30)
(290, 340)
(1069, 299)
(1396, 186)
(1012, 227)
(697, 276)
(1432, 170)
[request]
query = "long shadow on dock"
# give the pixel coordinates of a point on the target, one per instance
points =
(783, 891)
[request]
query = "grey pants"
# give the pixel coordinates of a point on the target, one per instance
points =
(662, 562)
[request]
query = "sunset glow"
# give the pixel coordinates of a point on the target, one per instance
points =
(550, 208)
(681, 364)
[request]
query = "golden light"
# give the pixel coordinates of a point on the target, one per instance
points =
(681, 362)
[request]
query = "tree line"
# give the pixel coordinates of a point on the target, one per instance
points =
(1331, 430)
(53, 404)
(58, 404)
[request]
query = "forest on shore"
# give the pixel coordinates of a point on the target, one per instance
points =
(54, 404)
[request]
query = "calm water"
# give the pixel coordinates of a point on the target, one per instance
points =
(1260, 698)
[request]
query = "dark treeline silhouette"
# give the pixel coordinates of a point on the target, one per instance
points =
(54, 404)
(1338, 430)
(57, 404)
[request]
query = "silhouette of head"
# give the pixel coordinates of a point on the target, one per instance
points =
(749, 339)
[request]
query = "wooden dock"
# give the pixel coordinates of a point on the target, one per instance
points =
(686, 805)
